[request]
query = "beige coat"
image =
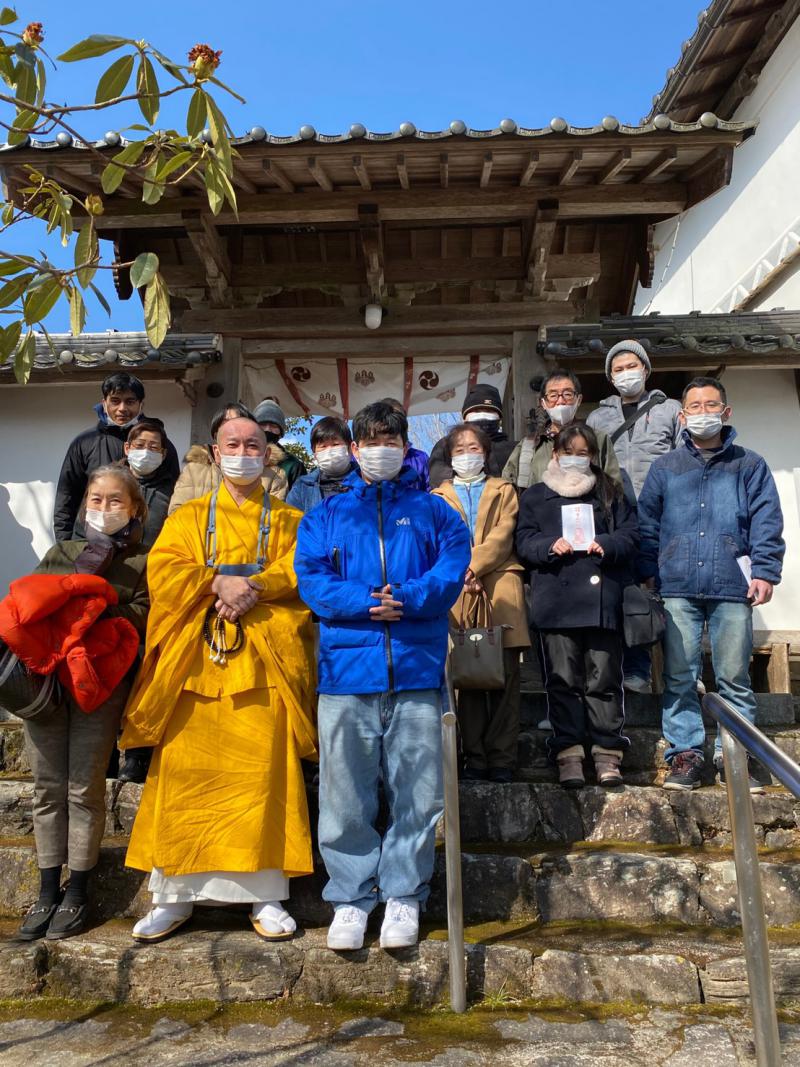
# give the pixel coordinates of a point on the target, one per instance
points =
(200, 476)
(493, 559)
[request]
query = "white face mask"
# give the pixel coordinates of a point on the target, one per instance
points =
(574, 463)
(380, 463)
(468, 465)
(334, 460)
(563, 414)
(143, 461)
(482, 416)
(628, 382)
(242, 470)
(704, 426)
(107, 522)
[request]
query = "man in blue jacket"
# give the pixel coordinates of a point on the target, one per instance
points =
(710, 524)
(381, 566)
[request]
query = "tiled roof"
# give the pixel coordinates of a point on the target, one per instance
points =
(129, 350)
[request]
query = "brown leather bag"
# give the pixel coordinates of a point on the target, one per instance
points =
(476, 653)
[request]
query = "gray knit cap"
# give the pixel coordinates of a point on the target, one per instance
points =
(628, 346)
(268, 411)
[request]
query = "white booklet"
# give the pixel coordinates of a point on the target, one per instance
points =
(577, 525)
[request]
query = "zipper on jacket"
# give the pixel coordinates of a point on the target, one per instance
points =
(382, 544)
(335, 560)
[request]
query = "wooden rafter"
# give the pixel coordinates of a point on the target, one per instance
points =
(360, 167)
(569, 171)
(211, 250)
(618, 163)
(241, 181)
(372, 249)
(275, 174)
(402, 171)
(486, 169)
(660, 163)
(444, 169)
(319, 174)
(544, 228)
(530, 168)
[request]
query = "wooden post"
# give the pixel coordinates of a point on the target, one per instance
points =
(211, 397)
(778, 673)
(526, 363)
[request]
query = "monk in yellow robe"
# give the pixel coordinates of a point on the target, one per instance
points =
(225, 695)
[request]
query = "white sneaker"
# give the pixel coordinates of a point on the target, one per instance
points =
(635, 684)
(162, 921)
(400, 924)
(346, 932)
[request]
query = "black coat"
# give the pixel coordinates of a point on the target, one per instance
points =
(157, 488)
(575, 590)
(441, 471)
(90, 450)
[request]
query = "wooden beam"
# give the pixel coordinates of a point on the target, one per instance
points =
(747, 14)
(747, 78)
(713, 178)
(84, 185)
(360, 167)
(372, 250)
(212, 253)
(486, 169)
(444, 169)
(530, 168)
(274, 172)
(660, 163)
(731, 56)
(458, 203)
(342, 322)
(319, 175)
(617, 163)
(377, 344)
(544, 228)
(526, 363)
(402, 171)
(569, 170)
(241, 181)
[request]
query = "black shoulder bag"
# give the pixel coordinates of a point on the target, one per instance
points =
(659, 398)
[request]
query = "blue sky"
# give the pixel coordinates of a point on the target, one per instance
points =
(335, 63)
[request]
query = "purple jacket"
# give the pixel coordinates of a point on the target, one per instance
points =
(417, 460)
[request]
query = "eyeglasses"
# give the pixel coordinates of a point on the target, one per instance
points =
(696, 407)
(566, 394)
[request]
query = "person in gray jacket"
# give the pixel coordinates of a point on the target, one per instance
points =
(642, 424)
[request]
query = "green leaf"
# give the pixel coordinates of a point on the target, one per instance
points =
(173, 164)
(214, 189)
(156, 311)
(77, 311)
(39, 303)
(86, 251)
(11, 265)
(147, 88)
(228, 89)
(217, 124)
(23, 121)
(152, 190)
(25, 83)
(41, 82)
(96, 45)
(111, 178)
(7, 16)
(196, 115)
(131, 152)
(101, 298)
(113, 82)
(13, 290)
(9, 339)
(143, 269)
(169, 66)
(23, 361)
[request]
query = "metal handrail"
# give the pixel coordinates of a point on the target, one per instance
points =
(739, 736)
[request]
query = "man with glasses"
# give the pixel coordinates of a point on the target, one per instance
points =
(710, 525)
(559, 400)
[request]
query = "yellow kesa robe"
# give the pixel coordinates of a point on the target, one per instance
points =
(225, 790)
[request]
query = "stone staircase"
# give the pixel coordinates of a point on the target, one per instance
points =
(596, 896)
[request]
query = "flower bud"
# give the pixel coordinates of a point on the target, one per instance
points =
(203, 61)
(94, 204)
(33, 34)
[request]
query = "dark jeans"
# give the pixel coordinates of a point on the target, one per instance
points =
(583, 679)
(489, 721)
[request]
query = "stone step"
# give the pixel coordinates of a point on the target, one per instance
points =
(644, 709)
(218, 958)
(694, 887)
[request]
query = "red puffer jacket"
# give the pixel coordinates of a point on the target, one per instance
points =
(52, 622)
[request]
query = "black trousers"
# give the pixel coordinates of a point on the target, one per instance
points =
(582, 671)
(489, 721)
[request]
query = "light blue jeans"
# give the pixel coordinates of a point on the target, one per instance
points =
(730, 633)
(363, 739)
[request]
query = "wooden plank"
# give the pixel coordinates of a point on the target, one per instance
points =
(541, 241)
(779, 679)
(274, 172)
(241, 181)
(712, 179)
(211, 251)
(376, 344)
(526, 363)
(360, 167)
(372, 250)
(402, 171)
(617, 163)
(571, 168)
(319, 175)
(444, 169)
(530, 168)
(486, 169)
(660, 163)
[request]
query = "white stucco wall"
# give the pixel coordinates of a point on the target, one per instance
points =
(717, 252)
(37, 423)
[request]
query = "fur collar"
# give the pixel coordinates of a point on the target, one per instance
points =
(567, 483)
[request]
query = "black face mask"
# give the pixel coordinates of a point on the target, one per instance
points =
(491, 427)
(272, 437)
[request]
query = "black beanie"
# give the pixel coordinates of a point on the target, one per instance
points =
(482, 396)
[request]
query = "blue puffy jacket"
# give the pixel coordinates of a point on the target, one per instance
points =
(307, 492)
(354, 544)
(697, 518)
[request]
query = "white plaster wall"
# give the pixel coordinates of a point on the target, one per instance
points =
(37, 423)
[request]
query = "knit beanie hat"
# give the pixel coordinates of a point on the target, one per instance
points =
(482, 396)
(628, 346)
(268, 411)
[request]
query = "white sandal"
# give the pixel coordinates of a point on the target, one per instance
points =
(161, 922)
(272, 922)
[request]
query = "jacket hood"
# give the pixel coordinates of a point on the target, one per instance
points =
(482, 396)
(198, 454)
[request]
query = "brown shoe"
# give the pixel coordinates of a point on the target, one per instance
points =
(570, 767)
(606, 766)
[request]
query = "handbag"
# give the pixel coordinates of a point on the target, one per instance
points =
(476, 654)
(643, 617)
(22, 692)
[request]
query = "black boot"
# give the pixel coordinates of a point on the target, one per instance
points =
(135, 765)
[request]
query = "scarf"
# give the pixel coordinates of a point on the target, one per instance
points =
(567, 483)
(100, 549)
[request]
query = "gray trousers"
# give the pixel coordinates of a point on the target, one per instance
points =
(69, 752)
